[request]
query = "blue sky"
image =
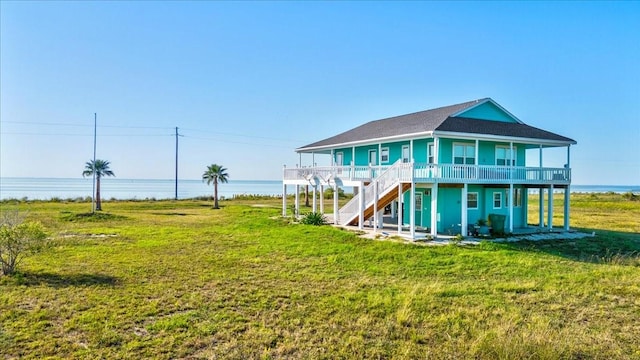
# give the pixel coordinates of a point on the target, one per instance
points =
(249, 82)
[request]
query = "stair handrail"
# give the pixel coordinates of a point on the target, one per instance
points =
(392, 173)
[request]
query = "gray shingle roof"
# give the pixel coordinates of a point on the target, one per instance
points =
(438, 119)
(475, 126)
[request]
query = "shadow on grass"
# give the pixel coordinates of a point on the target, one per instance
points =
(607, 247)
(61, 280)
(170, 214)
(90, 217)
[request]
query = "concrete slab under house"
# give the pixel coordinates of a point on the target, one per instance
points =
(438, 172)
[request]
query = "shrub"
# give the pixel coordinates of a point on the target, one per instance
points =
(314, 218)
(631, 196)
(18, 239)
(328, 193)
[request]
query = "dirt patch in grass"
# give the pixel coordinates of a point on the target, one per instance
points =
(90, 217)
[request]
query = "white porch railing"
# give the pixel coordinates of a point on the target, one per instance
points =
(443, 173)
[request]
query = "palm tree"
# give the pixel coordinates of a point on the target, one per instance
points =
(215, 173)
(100, 168)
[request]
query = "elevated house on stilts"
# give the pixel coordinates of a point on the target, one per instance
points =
(439, 171)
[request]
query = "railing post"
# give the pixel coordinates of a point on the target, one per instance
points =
(284, 192)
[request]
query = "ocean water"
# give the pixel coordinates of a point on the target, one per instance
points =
(47, 188)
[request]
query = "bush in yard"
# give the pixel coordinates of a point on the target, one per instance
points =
(313, 218)
(18, 239)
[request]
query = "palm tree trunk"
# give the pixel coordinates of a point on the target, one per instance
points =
(306, 196)
(98, 202)
(215, 194)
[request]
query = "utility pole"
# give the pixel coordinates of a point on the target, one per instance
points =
(93, 190)
(176, 192)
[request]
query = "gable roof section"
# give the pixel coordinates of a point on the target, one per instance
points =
(488, 110)
(449, 119)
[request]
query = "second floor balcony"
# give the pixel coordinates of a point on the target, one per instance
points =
(431, 173)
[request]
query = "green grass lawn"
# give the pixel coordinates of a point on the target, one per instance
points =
(177, 279)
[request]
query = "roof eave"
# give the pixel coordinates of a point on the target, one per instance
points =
(491, 137)
(365, 142)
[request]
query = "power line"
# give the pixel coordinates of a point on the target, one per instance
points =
(85, 125)
(241, 135)
(61, 134)
(235, 142)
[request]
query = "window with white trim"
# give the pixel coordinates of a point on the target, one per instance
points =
(464, 154)
(497, 200)
(384, 155)
(517, 197)
(339, 158)
(431, 153)
(472, 200)
(503, 155)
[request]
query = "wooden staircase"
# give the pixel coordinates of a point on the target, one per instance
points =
(383, 201)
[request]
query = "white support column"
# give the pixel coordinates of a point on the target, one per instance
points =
(314, 203)
(353, 156)
(511, 157)
(333, 163)
(477, 162)
(541, 207)
(375, 206)
(284, 200)
(321, 199)
(477, 152)
(465, 213)
(400, 208)
(550, 208)
(361, 206)
(313, 159)
(412, 209)
(434, 210)
(567, 200)
(297, 202)
(411, 154)
(436, 150)
(540, 157)
(511, 207)
(567, 193)
(394, 209)
(353, 170)
(335, 204)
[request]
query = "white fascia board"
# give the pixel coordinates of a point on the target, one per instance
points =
(374, 141)
(494, 103)
(500, 138)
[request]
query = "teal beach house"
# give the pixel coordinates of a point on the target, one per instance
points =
(438, 172)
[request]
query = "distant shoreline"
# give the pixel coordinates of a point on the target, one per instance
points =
(139, 189)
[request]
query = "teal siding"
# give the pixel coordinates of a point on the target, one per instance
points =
(445, 151)
(346, 155)
(449, 207)
(395, 150)
(420, 151)
(362, 154)
(423, 216)
(521, 155)
(474, 214)
(519, 212)
(488, 111)
(486, 153)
